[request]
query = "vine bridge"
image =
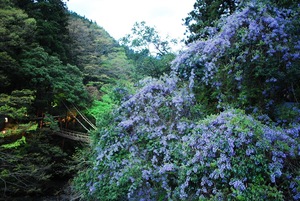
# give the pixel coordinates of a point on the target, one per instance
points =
(73, 135)
(76, 135)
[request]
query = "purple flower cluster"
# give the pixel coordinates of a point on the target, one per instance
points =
(257, 44)
(227, 150)
(187, 160)
(140, 147)
(158, 104)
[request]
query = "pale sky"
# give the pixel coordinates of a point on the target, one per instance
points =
(118, 16)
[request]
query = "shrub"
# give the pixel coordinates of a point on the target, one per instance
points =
(232, 156)
(156, 149)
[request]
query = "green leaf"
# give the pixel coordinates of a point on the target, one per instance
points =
(15, 144)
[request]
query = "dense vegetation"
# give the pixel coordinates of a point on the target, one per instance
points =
(223, 125)
(218, 121)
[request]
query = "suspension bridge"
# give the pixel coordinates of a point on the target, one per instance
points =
(76, 135)
(73, 135)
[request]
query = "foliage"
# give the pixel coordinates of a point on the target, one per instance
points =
(28, 169)
(16, 32)
(134, 123)
(158, 148)
(203, 19)
(18, 104)
(100, 108)
(33, 55)
(51, 25)
(89, 41)
(96, 53)
(232, 155)
(112, 96)
(51, 122)
(15, 144)
(251, 63)
(116, 65)
(144, 37)
(159, 144)
(46, 58)
(146, 65)
(151, 54)
(17, 129)
(205, 15)
(52, 79)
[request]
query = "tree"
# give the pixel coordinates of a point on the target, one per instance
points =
(18, 104)
(251, 63)
(144, 37)
(150, 53)
(17, 33)
(146, 65)
(51, 19)
(53, 81)
(116, 65)
(203, 20)
(89, 41)
(206, 13)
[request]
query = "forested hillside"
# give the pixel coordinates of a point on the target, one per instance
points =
(49, 58)
(220, 120)
(35, 59)
(99, 56)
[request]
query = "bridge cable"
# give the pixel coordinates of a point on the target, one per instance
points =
(85, 118)
(76, 117)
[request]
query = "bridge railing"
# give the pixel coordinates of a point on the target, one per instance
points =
(73, 135)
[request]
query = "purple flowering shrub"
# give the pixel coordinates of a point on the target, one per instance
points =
(159, 147)
(287, 114)
(234, 156)
(137, 151)
(252, 62)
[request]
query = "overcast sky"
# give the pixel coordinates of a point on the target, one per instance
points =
(118, 16)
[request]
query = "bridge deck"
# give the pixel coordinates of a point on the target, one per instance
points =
(73, 135)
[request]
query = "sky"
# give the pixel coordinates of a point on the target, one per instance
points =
(117, 17)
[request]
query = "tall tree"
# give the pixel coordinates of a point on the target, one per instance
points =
(251, 63)
(144, 37)
(151, 53)
(17, 32)
(202, 20)
(53, 81)
(52, 21)
(205, 14)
